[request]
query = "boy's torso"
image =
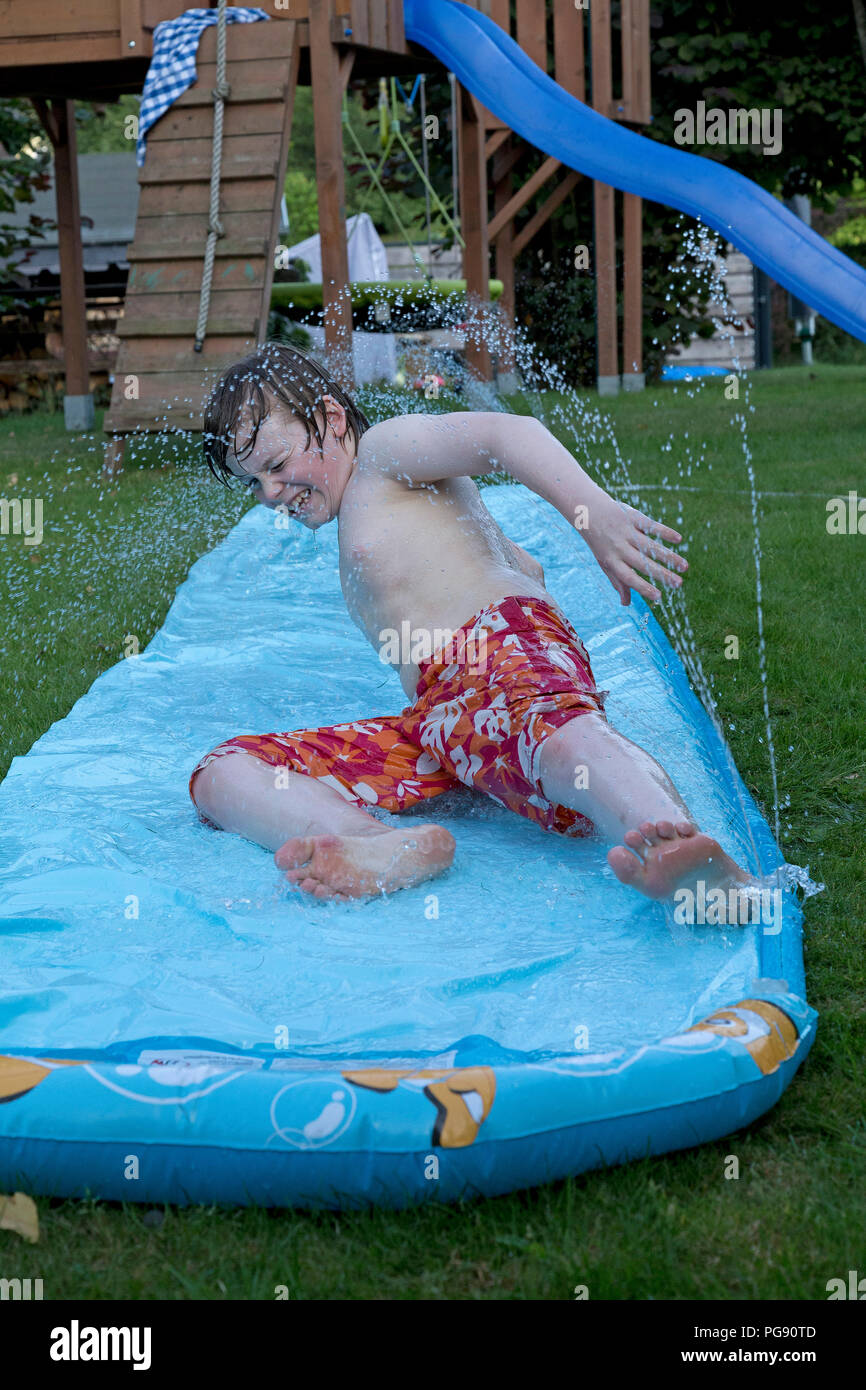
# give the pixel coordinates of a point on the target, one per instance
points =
(417, 561)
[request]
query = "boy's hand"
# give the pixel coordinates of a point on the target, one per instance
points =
(623, 542)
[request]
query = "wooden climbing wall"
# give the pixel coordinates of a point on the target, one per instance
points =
(159, 379)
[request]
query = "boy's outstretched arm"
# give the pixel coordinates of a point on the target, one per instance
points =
(626, 543)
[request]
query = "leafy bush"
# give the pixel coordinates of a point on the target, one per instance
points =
(303, 206)
(556, 303)
(281, 329)
(25, 157)
(409, 303)
(106, 127)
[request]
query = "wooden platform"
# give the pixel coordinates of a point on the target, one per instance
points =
(95, 50)
(58, 50)
(159, 376)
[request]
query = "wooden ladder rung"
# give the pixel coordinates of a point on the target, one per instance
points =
(257, 166)
(244, 94)
(185, 328)
(193, 250)
(157, 330)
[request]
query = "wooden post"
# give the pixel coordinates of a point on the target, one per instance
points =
(473, 225)
(505, 373)
(605, 289)
(633, 377)
(503, 162)
(58, 118)
(330, 182)
(532, 30)
(569, 64)
(112, 460)
(605, 217)
(500, 14)
(132, 39)
(636, 99)
(635, 21)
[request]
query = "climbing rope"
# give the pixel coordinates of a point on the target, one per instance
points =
(389, 131)
(386, 140)
(215, 229)
(429, 189)
(377, 181)
(409, 101)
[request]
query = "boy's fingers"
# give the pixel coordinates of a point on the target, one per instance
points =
(640, 558)
(647, 524)
(622, 588)
(645, 590)
(668, 557)
(672, 580)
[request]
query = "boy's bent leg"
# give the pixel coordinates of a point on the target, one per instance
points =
(590, 767)
(240, 794)
(328, 846)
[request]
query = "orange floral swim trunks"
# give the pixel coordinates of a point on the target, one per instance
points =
(485, 703)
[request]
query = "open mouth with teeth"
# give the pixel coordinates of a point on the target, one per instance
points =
(298, 501)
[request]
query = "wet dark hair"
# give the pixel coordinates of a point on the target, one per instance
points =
(273, 373)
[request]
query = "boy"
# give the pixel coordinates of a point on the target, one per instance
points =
(502, 695)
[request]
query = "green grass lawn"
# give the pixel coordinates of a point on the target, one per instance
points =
(666, 1228)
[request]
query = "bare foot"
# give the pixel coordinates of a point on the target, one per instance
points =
(667, 857)
(360, 866)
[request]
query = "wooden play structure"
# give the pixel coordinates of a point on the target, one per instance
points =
(55, 52)
(555, 35)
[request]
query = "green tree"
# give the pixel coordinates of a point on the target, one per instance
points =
(105, 127)
(303, 206)
(25, 157)
(803, 59)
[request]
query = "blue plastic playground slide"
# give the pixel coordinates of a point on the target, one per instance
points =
(508, 83)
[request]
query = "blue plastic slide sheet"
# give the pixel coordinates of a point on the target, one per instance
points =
(133, 933)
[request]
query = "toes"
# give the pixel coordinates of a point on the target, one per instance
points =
(439, 841)
(296, 875)
(294, 853)
(324, 866)
(625, 866)
(651, 832)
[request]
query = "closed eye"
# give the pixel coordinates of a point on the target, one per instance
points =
(274, 468)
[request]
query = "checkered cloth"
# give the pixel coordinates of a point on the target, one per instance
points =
(172, 67)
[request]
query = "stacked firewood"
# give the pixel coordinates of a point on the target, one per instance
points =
(38, 384)
(31, 358)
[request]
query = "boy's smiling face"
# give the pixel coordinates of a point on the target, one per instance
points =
(284, 471)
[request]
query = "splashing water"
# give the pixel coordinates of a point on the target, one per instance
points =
(162, 538)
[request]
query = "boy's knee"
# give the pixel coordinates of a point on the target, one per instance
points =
(593, 724)
(218, 776)
(587, 724)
